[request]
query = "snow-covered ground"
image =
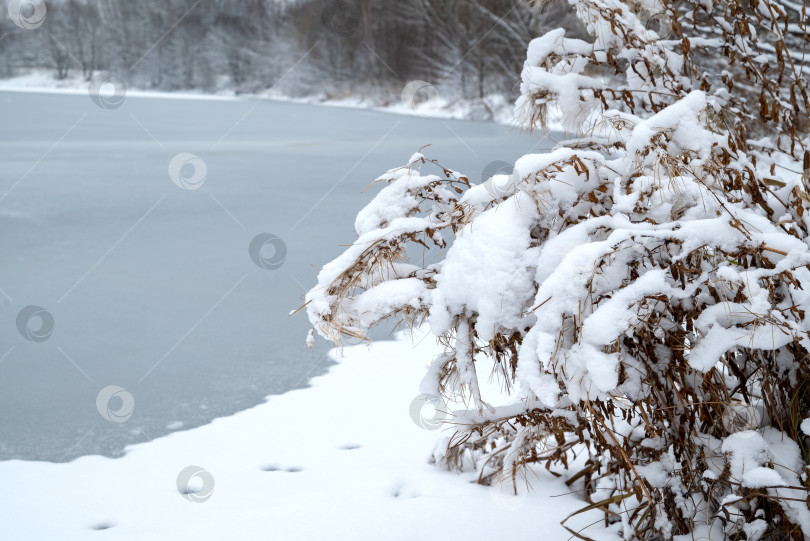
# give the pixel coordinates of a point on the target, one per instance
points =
(427, 102)
(43, 81)
(342, 459)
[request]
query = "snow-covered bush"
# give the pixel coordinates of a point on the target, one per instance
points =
(640, 290)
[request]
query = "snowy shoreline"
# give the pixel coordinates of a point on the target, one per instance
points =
(492, 108)
(353, 466)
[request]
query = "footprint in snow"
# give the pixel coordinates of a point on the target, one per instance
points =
(399, 491)
(291, 469)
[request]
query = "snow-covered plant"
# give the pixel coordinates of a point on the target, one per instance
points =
(641, 290)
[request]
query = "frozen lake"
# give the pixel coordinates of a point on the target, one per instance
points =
(151, 287)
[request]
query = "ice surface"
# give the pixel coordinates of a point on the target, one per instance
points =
(151, 286)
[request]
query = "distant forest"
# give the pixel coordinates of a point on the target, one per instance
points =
(335, 48)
